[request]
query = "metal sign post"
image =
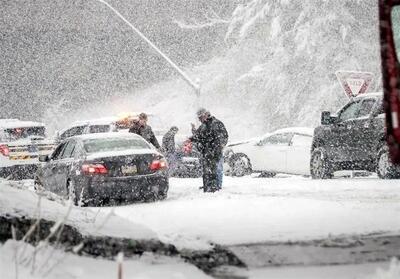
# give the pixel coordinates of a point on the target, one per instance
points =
(194, 85)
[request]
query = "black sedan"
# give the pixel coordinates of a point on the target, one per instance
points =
(105, 168)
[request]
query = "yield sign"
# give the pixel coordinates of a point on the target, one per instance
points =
(354, 83)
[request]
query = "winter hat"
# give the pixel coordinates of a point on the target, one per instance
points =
(143, 116)
(201, 112)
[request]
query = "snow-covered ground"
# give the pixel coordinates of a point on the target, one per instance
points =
(248, 210)
(253, 210)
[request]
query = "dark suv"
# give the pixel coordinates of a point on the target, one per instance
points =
(353, 139)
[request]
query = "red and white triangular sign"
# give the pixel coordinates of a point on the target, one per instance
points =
(354, 83)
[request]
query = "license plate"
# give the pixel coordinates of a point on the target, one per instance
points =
(129, 169)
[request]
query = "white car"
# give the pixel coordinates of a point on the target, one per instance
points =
(21, 144)
(100, 125)
(283, 151)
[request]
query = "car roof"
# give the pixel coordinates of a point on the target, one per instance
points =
(96, 121)
(16, 123)
(107, 135)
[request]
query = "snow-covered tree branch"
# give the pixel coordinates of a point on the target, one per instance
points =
(210, 20)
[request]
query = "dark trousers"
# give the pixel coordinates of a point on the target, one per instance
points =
(210, 173)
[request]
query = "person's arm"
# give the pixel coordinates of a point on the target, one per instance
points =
(153, 140)
(220, 134)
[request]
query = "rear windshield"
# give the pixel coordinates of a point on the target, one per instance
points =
(114, 144)
(13, 134)
(99, 129)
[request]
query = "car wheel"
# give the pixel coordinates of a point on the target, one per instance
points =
(320, 166)
(241, 165)
(37, 184)
(384, 168)
(71, 190)
(267, 174)
(162, 195)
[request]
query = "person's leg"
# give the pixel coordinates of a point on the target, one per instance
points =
(220, 172)
(172, 163)
(213, 175)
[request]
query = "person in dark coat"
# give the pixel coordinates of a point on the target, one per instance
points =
(210, 139)
(168, 147)
(141, 128)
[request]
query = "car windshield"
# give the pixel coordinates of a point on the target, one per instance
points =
(23, 133)
(114, 144)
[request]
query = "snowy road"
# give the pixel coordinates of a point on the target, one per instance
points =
(253, 210)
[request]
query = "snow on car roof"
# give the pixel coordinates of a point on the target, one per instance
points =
(97, 121)
(15, 123)
(108, 135)
(298, 130)
(368, 95)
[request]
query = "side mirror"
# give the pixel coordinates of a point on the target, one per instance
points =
(326, 118)
(44, 158)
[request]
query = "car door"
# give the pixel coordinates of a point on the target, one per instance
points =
(363, 132)
(340, 147)
(272, 152)
(63, 166)
(298, 154)
(49, 169)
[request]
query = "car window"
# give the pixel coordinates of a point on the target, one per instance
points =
(301, 140)
(366, 107)
(278, 139)
(99, 129)
(17, 133)
(114, 144)
(57, 152)
(350, 111)
(78, 130)
(68, 150)
(380, 108)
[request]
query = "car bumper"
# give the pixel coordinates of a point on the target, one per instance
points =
(187, 170)
(103, 190)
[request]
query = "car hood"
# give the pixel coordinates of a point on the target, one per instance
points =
(241, 142)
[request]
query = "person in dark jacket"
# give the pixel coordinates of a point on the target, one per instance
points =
(210, 139)
(168, 147)
(141, 128)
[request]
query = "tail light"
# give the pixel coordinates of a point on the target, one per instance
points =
(94, 169)
(158, 165)
(4, 150)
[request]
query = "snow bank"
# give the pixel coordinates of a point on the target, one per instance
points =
(56, 264)
(20, 202)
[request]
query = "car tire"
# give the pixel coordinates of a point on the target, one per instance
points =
(267, 174)
(384, 168)
(320, 166)
(162, 195)
(37, 184)
(240, 165)
(71, 192)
